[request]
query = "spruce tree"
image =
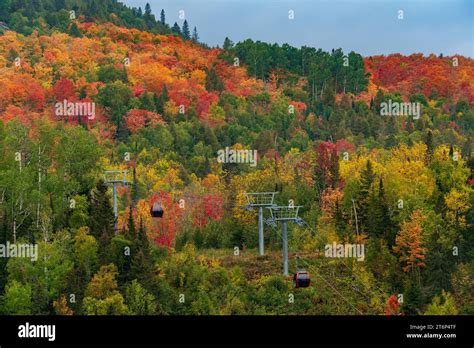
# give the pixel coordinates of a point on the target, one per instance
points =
(130, 233)
(161, 100)
(142, 264)
(122, 132)
(334, 168)
(147, 101)
(429, 146)
(195, 37)
(147, 9)
(213, 81)
(162, 17)
(142, 238)
(3, 260)
(134, 188)
(74, 30)
(101, 222)
(176, 29)
(210, 138)
(5, 10)
(385, 220)
(379, 224)
(378, 100)
(366, 180)
(391, 140)
(339, 221)
(228, 44)
(148, 17)
(413, 297)
(185, 31)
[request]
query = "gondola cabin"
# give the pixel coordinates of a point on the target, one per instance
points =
(156, 210)
(301, 279)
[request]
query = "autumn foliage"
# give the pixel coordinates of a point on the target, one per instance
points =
(430, 75)
(409, 243)
(392, 306)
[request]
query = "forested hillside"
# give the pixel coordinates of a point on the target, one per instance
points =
(164, 105)
(25, 16)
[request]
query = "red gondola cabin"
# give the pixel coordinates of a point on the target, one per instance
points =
(156, 210)
(301, 279)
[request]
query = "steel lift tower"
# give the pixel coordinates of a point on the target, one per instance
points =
(260, 200)
(284, 214)
(114, 178)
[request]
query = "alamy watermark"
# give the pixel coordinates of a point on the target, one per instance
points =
(228, 155)
(19, 250)
(345, 250)
(37, 331)
(75, 109)
(392, 108)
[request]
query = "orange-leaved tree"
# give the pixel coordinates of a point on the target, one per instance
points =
(409, 244)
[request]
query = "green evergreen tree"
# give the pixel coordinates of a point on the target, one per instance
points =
(160, 101)
(147, 102)
(3, 241)
(139, 300)
(185, 31)
(391, 140)
(142, 264)
(5, 10)
(334, 168)
(378, 100)
(429, 146)
(213, 81)
(130, 232)
(378, 221)
(74, 30)
(162, 17)
(134, 188)
(367, 178)
(122, 132)
(195, 36)
(339, 221)
(147, 9)
(210, 138)
(116, 98)
(101, 222)
(176, 29)
(413, 298)
(228, 44)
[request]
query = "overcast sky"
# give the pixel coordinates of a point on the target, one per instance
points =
(368, 27)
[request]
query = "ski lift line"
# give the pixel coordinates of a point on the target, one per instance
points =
(311, 267)
(338, 293)
(309, 227)
(380, 291)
